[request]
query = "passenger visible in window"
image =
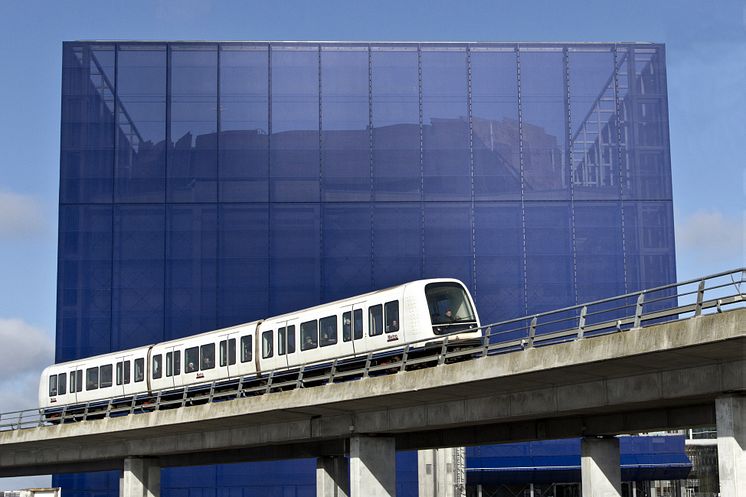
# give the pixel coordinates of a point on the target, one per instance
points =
(309, 342)
(449, 318)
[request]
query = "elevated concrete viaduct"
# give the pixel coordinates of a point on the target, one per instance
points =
(673, 375)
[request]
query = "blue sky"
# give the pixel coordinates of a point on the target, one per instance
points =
(706, 56)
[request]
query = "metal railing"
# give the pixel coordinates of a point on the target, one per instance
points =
(692, 298)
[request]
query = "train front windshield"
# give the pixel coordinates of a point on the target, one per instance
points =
(450, 309)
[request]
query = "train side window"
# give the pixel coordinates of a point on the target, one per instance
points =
(207, 356)
(127, 371)
(177, 362)
(79, 379)
(223, 353)
(347, 326)
(291, 339)
(246, 348)
(72, 381)
(328, 326)
(231, 351)
(392, 316)
(191, 359)
(52, 385)
(169, 364)
(309, 335)
(281, 340)
(267, 344)
(375, 320)
(91, 378)
(357, 324)
(118, 374)
(157, 363)
(61, 387)
(139, 369)
(105, 376)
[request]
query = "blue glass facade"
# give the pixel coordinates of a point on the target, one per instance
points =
(207, 184)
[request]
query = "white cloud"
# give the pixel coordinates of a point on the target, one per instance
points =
(708, 241)
(24, 352)
(20, 216)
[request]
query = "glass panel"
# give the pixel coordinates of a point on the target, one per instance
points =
(392, 316)
(396, 123)
(649, 242)
(267, 339)
(52, 385)
(244, 124)
(191, 359)
(106, 375)
(357, 324)
(598, 246)
(91, 378)
(177, 362)
(309, 335)
(87, 138)
(192, 154)
(448, 241)
(231, 351)
(281, 341)
(139, 370)
(246, 348)
(169, 364)
(207, 356)
(295, 161)
(223, 353)
(544, 117)
(84, 284)
(347, 326)
(137, 311)
(375, 320)
(397, 249)
(157, 369)
(79, 379)
(141, 124)
(138, 376)
(119, 373)
(345, 138)
(291, 339)
(347, 248)
(495, 131)
(61, 384)
(449, 307)
(73, 383)
(445, 129)
(328, 330)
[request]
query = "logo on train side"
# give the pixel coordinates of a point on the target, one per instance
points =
(392, 338)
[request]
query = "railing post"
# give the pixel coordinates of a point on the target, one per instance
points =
(700, 298)
(239, 387)
(486, 342)
(443, 351)
(366, 372)
(532, 332)
(333, 371)
(299, 380)
(404, 357)
(638, 310)
(581, 321)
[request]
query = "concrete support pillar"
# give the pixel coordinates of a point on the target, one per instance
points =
(439, 472)
(372, 467)
(332, 477)
(600, 469)
(730, 415)
(141, 477)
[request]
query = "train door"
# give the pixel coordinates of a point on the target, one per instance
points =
(287, 342)
(173, 365)
(123, 373)
(227, 360)
(352, 327)
(75, 382)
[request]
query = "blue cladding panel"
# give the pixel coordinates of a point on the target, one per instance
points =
(192, 152)
(209, 184)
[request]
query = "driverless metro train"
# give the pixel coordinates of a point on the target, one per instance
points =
(382, 321)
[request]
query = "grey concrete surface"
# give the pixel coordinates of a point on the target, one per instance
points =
(660, 377)
(437, 471)
(731, 430)
(141, 477)
(600, 469)
(332, 476)
(372, 466)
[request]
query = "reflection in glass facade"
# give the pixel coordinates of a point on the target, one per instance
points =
(208, 184)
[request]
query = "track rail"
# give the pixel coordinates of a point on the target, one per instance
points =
(674, 302)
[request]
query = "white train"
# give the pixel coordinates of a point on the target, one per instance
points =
(382, 321)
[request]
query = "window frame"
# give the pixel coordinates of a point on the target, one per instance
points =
(335, 330)
(268, 345)
(207, 353)
(386, 320)
(314, 334)
(378, 309)
(247, 353)
(191, 360)
(157, 366)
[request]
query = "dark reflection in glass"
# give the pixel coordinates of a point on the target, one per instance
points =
(445, 129)
(141, 124)
(192, 161)
(499, 264)
(396, 123)
(346, 254)
(138, 259)
(448, 251)
(191, 269)
(543, 111)
(397, 250)
(87, 141)
(345, 137)
(494, 88)
(593, 132)
(243, 263)
(294, 155)
(84, 282)
(244, 124)
(598, 248)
